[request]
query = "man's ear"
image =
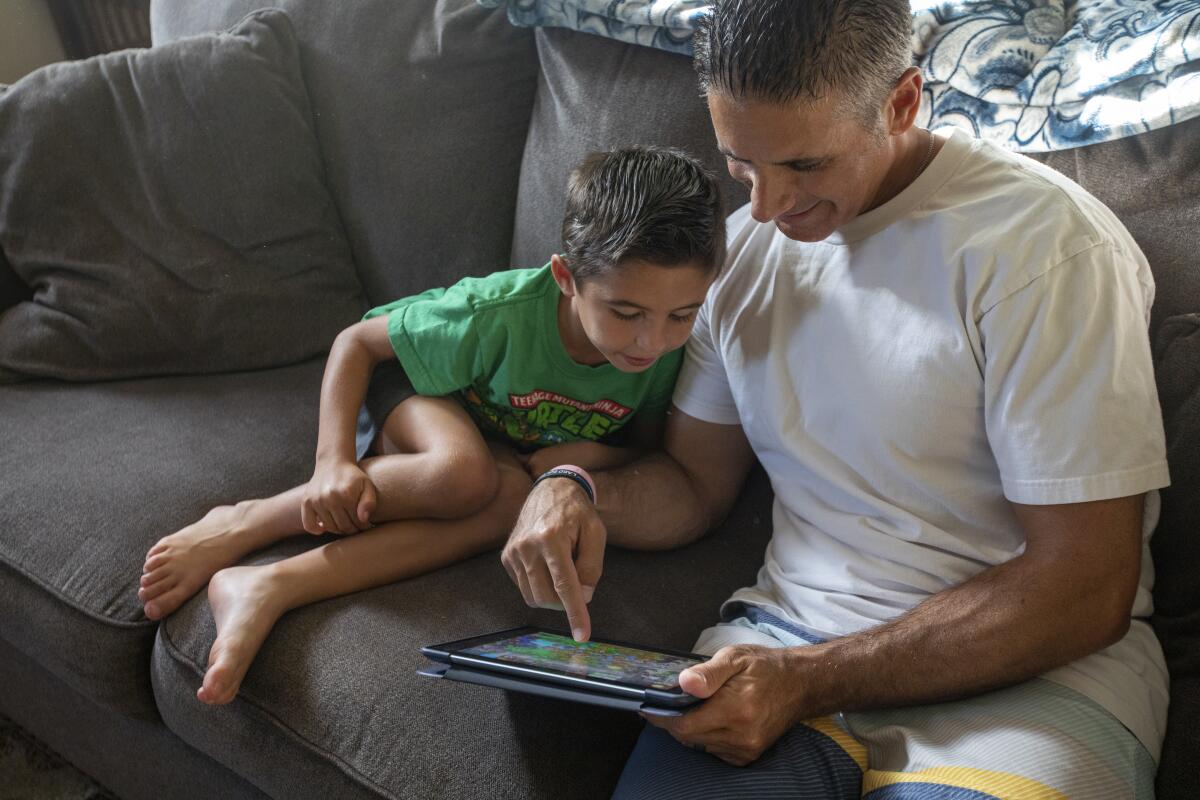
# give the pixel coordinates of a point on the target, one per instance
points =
(904, 102)
(562, 275)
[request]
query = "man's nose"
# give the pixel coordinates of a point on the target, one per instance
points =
(768, 198)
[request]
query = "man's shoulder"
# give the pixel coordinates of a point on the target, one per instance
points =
(1009, 193)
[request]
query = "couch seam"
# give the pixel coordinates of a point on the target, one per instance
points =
(73, 603)
(349, 769)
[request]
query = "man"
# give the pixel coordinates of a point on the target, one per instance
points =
(938, 351)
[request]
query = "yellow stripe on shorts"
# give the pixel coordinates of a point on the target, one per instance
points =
(999, 784)
(854, 748)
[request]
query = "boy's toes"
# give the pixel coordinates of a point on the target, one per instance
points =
(154, 561)
(160, 606)
(156, 576)
(147, 593)
(218, 687)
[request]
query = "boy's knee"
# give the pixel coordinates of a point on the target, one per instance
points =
(471, 482)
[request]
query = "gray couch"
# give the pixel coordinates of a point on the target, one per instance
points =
(445, 136)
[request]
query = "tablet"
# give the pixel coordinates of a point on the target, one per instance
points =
(551, 663)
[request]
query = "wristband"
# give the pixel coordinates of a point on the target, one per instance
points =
(574, 473)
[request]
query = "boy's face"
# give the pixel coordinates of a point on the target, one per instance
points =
(632, 315)
(811, 167)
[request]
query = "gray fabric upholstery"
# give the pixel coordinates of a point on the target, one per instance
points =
(1176, 545)
(333, 702)
(1176, 550)
(135, 759)
(422, 109)
(169, 210)
(595, 94)
(12, 289)
(94, 474)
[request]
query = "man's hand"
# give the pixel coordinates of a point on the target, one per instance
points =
(555, 553)
(339, 498)
(754, 696)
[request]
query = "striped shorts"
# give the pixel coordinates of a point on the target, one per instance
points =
(1034, 741)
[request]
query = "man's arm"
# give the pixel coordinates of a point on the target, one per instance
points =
(1068, 595)
(555, 553)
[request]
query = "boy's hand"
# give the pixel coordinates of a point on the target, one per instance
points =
(340, 498)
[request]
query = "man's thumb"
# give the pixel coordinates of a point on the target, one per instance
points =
(703, 680)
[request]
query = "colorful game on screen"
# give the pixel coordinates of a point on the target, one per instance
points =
(607, 662)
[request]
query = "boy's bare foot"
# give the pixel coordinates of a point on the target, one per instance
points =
(245, 608)
(179, 565)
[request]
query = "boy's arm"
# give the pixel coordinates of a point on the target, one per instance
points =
(338, 499)
(645, 436)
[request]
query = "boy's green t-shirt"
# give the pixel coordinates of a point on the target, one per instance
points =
(494, 342)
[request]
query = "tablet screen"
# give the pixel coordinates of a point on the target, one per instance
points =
(606, 662)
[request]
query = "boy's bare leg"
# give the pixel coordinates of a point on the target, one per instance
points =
(437, 467)
(246, 601)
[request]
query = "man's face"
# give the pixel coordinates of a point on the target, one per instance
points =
(810, 167)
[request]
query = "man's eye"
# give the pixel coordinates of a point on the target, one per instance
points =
(805, 167)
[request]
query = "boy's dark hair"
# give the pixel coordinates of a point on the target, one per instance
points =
(781, 51)
(653, 204)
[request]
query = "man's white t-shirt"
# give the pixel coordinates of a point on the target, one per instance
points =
(980, 338)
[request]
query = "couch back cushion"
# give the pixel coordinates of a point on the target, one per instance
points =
(597, 94)
(168, 210)
(421, 112)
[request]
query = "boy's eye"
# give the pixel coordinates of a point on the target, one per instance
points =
(626, 317)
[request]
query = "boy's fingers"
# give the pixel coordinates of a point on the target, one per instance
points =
(366, 505)
(306, 518)
(569, 591)
(342, 520)
(325, 523)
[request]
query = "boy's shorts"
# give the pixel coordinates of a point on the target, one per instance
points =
(389, 388)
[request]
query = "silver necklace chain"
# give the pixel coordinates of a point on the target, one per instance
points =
(928, 153)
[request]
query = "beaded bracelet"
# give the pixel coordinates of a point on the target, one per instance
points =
(571, 472)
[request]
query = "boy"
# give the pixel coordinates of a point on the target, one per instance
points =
(498, 379)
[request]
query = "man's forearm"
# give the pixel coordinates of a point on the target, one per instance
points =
(1008, 624)
(651, 504)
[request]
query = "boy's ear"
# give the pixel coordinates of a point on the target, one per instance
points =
(562, 275)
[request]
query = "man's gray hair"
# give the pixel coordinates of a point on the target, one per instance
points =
(781, 51)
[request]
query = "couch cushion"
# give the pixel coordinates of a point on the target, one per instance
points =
(12, 289)
(593, 94)
(94, 474)
(422, 108)
(1176, 549)
(333, 702)
(188, 231)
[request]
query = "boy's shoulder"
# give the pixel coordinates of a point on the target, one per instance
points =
(472, 294)
(503, 288)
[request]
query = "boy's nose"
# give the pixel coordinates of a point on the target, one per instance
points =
(652, 342)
